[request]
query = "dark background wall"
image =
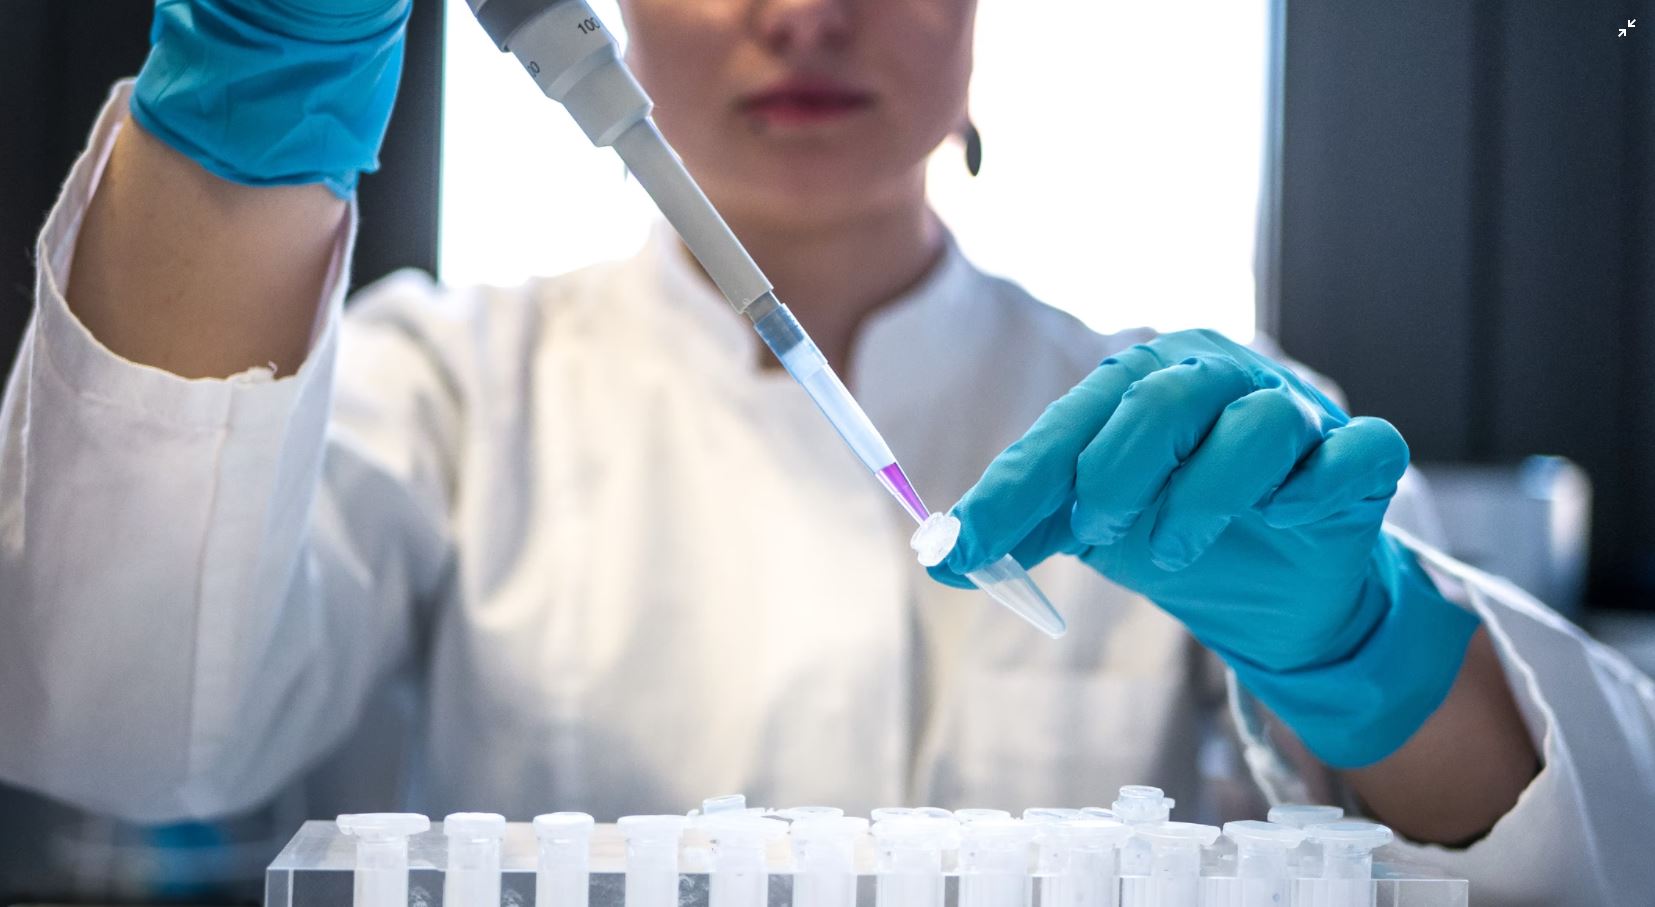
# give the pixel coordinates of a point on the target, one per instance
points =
(1466, 237)
(60, 58)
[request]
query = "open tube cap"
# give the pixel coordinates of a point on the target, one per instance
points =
(383, 826)
(1095, 832)
(1142, 803)
(1176, 833)
(1304, 815)
(1349, 836)
(1253, 833)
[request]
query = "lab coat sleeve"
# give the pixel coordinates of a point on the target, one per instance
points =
(1580, 833)
(201, 581)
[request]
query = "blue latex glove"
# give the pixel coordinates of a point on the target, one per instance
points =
(274, 92)
(1249, 506)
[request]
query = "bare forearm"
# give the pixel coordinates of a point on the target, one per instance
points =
(1464, 768)
(184, 271)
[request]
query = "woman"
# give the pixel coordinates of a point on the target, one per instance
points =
(628, 563)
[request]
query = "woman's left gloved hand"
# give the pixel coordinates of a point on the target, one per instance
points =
(1247, 504)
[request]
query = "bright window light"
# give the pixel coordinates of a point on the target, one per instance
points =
(1122, 152)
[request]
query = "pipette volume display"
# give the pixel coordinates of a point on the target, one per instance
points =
(563, 45)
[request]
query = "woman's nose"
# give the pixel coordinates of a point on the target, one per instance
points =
(801, 26)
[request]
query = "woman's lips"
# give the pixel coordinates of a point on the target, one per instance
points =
(806, 103)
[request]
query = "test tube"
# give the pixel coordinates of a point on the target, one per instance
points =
(740, 874)
(1140, 804)
(473, 875)
(824, 860)
(1347, 862)
(563, 877)
(910, 850)
(994, 862)
(381, 876)
(651, 859)
(1090, 874)
(1308, 858)
(1175, 864)
(1263, 862)
(1050, 840)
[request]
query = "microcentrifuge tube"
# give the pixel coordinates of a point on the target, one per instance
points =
(1175, 864)
(651, 859)
(1264, 862)
(824, 860)
(994, 862)
(1308, 857)
(1090, 876)
(1005, 580)
(1347, 862)
(381, 876)
(1140, 804)
(909, 850)
(563, 875)
(472, 877)
(740, 874)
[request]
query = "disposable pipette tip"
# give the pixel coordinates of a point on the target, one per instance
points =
(1005, 580)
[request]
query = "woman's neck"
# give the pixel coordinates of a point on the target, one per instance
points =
(833, 275)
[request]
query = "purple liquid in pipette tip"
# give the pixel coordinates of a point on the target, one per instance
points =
(894, 479)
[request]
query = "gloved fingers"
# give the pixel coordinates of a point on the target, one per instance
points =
(1050, 537)
(1035, 477)
(1160, 421)
(1360, 461)
(1251, 450)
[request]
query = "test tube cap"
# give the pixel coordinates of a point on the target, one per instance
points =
(1253, 833)
(998, 832)
(737, 828)
(915, 831)
(1350, 834)
(1142, 803)
(725, 803)
(796, 813)
(1098, 812)
(1050, 814)
(1160, 833)
(972, 816)
(474, 826)
(935, 538)
(1089, 831)
(563, 826)
(383, 826)
(811, 829)
(651, 829)
(1304, 815)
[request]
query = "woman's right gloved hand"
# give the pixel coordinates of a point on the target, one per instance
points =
(274, 92)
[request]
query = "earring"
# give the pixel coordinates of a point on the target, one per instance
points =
(973, 148)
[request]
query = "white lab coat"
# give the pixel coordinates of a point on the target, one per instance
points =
(627, 569)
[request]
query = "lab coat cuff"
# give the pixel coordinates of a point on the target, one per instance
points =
(99, 376)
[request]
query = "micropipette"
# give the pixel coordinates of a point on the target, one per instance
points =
(565, 47)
